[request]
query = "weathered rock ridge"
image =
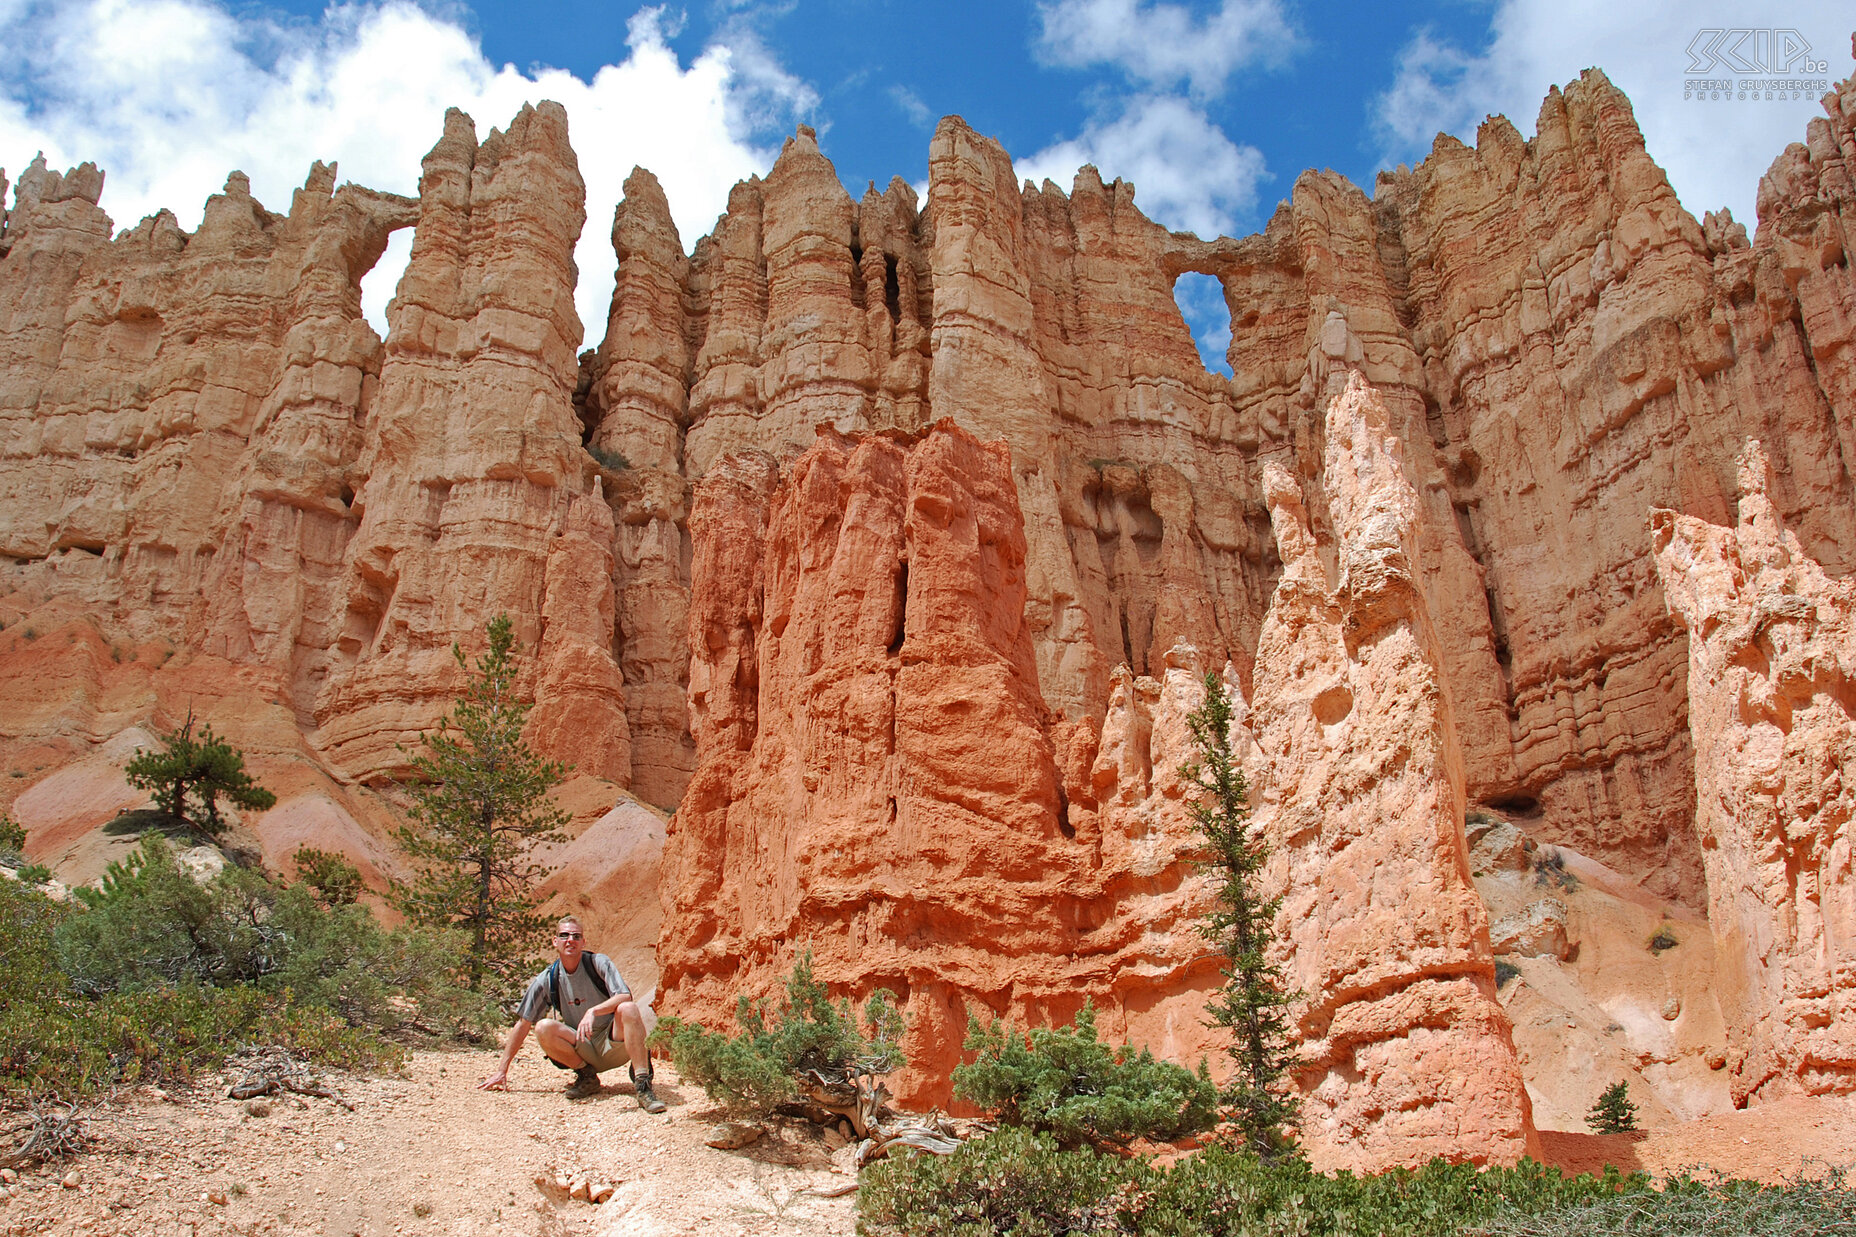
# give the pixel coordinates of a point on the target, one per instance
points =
(1359, 789)
(811, 416)
(1772, 707)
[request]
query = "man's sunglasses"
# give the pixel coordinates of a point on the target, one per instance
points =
(570, 936)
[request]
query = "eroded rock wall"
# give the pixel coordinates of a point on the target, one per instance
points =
(208, 446)
(1772, 710)
(874, 781)
(182, 412)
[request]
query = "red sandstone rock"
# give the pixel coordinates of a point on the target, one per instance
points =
(1772, 668)
(873, 771)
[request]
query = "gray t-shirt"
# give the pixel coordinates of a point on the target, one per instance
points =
(577, 994)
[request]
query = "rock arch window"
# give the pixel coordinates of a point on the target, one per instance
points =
(383, 279)
(1201, 304)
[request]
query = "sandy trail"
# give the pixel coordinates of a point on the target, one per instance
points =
(428, 1153)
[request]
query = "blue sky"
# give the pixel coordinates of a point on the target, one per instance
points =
(1211, 107)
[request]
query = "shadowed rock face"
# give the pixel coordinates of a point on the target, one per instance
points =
(1772, 692)
(206, 448)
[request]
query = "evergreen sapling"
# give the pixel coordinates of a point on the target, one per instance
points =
(480, 804)
(1614, 1113)
(1253, 1004)
(190, 769)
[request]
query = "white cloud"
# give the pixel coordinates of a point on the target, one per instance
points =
(1714, 151)
(1164, 45)
(1187, 174)
(167, 96)
(911, 106)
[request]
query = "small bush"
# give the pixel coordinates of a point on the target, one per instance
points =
(55, 1041)
(615, 460)
(1067, 1083)
(1550, 869)
(1613, 1113)
(151, 975)
(1018, 1182)
(1663, 939)
(755, 1072)
(12, 836)
(149, 923)
(35, 874)
(1505, 971)
(328, 876)
(1012, 1181)
(1687, 1206)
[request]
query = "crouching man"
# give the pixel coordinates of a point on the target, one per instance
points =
(585, 992)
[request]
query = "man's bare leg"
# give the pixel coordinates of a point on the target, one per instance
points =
(557, 1040)
(631, 1023)
(631, 1028)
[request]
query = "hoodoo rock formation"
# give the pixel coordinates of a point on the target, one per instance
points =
(1772, 707)
(887, 537)
(1359, 791)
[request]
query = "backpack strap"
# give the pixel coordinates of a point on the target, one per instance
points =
(590, 961)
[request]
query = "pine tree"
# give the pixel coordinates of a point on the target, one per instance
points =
(189, 769)
(1613, 1113)
(480, 804)
(1253, 1004)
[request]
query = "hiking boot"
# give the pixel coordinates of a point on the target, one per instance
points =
(585, 1083)
(647, 1098)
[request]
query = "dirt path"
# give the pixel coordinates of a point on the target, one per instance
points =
(428, 1153)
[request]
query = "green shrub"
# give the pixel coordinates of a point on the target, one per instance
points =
(330, 877)
(1069, 1084)
(148, 923)
(615, 460)
(1687, 1206)
(56, 1041)
(1223, 1191)
(1505, 971)
(1550, 869)
(1017, 1182)
(152, 975)
(35, 874)
(1012, 1181)
(758, 1070)
(12, 836)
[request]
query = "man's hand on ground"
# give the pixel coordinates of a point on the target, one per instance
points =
(499, 1081)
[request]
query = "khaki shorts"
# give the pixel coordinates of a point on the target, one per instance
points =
(603, 1053)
